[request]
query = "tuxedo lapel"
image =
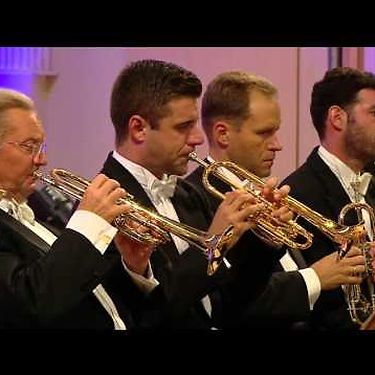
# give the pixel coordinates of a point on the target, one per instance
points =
(113, 169)
(370, 194)
(335, 196)
(178, 195)
(335, 193)
(23, 233)
(297, 257)
(166, 253)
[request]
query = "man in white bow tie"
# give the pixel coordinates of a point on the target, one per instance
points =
(154, 110)
(342, 112)
(56, 283)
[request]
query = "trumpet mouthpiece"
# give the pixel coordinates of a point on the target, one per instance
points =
(37, 174)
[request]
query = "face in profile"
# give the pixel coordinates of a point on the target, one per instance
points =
(255, 144)
(20, 154)
(360, 130)
(169, 145)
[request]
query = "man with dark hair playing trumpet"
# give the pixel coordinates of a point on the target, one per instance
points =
(154, 110)
(241, 118)
(342, 110)
(60, 283)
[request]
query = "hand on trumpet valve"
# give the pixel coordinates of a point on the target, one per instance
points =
(101, 196)
(371, 254)
(236, 209)
(333, 272)
(275, 196)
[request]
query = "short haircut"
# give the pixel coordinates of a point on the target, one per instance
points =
(145, 88)
(227, 98)
(339, 86)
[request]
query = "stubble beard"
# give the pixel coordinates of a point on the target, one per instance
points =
(359, 146)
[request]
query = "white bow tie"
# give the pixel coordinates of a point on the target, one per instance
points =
(20, 211)
(364, 182)
(164, 187)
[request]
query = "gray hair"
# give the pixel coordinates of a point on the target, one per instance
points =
(10, 99)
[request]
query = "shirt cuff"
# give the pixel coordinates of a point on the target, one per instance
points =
(97, 230)
(227, 263)
(145, 283)
(312, 284)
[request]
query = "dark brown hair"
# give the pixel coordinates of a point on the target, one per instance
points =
(339, 86)
(145, 88)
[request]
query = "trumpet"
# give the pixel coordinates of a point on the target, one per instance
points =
(268, 227)
(213, 246)
(360, 298)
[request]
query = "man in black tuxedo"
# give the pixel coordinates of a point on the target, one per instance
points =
(342, 111)
(241, 118)
(60, 283)
(154, 113)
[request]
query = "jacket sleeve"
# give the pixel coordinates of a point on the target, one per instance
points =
(35, 289)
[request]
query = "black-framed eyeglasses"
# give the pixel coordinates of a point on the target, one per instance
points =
(30, 148)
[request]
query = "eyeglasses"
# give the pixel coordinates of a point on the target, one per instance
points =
(30, 148)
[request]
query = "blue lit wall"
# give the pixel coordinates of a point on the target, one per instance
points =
(20, 82)
(19, 64)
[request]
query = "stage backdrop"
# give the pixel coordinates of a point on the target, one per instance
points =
(72, 86)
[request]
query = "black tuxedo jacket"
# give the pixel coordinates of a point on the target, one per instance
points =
(43, 287)
(283, 302)
(183, 278)
(316, 186)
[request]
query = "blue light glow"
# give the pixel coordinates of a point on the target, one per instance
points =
(20, 82)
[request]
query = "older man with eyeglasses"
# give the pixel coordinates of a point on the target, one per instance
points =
(49, 282)
(23, 144)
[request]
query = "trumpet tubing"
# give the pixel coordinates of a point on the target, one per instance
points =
(361, 301)
(213, 246)
(268, 227)
(360, 297)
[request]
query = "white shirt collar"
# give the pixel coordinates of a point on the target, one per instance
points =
(344, 174)
(141, 174)
(20, 211)
(145, 178)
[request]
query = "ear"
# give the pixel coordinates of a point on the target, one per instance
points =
(137, 128)
(221, 134)
(337, 118)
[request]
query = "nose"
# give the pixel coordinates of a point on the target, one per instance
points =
(196, 137)
(275, 144)
(40, 159)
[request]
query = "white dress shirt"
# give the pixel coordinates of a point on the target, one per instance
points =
(347, 177)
